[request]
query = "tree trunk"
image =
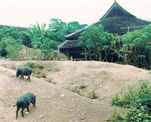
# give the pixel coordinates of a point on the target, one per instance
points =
(149, 58)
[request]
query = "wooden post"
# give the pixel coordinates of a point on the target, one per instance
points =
(85, 54)
(69, 57)
(100, 56)
(128, 29)
(68, 54)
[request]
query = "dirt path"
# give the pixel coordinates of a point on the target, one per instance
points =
(54, 104)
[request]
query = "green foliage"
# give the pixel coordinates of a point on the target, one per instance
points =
(138, 115)
(47, 48)
(134, 48)
(74, 26)
(138, 100)
(34, 66)
(36, 37)
(63, 28)
(38, 69)
(40, 41)
(93, 95)
(3, 51)
(58, 29)
(23, 35)
(9, 32)
(117, 116)
(117, 101)
(11, 40)
(10, 47)
(30, 64)
(56, 36)
(94, 40)
(83, 86)
(36, 34)
(57, 25)
(131, 96)
(47, 40)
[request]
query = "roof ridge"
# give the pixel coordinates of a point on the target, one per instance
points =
(115, 4)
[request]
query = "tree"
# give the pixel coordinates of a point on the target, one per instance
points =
(59, 29)
(57, 25)
(135, 48)
(47, 48)
(9, 32)
(40, 41)
(10, 47)
(23, 35)
(94, 40)
(36, 34)
(74, 26)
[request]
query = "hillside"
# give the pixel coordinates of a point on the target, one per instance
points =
(63, 94)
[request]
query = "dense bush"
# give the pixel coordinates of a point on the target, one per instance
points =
(10, 47)
(131, 48)
(134, 48)
(138, 100)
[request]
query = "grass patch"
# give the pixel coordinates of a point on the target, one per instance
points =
(10, 67)
(117, 116)
(34, 65)
(13, 67)
(53, 69)
(30, 64)
(83, 86)
(51, 81)
(93, 95)
(38, 69)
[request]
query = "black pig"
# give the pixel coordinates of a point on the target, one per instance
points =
(24, 71)
(24, 102)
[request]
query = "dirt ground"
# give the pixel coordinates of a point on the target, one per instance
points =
(64, 94)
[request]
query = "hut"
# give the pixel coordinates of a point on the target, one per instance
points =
(116, 20)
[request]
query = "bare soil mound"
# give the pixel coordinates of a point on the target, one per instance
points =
(66, 97)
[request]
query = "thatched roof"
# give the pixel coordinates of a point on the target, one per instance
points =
(116, 10)
(115, 20)
(68, 44)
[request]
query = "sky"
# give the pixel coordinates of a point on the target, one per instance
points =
(24, 13)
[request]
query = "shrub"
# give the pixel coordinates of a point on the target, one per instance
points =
(138, 100)
(117, 115)
(10, 47)
(140, 115)
(117, 101)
